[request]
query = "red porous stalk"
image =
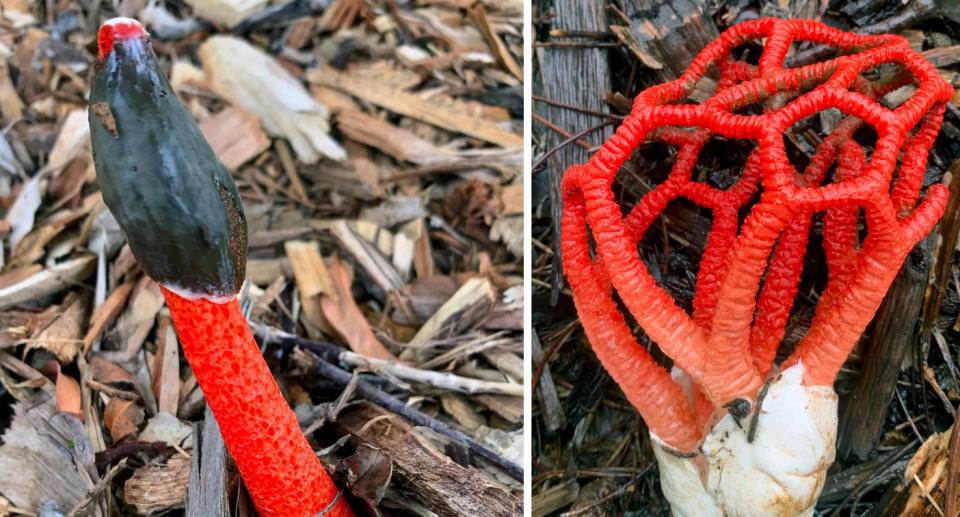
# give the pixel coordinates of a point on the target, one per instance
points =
(729, 343)
(278, 466)
(157, 202)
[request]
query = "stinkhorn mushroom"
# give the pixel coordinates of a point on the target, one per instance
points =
(735, 435)
(181, 214)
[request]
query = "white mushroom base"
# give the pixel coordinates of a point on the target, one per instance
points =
(780, 474)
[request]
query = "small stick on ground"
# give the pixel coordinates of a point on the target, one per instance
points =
(616, 493)
(105, 483)
(394, 405)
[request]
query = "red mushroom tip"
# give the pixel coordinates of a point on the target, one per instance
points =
(122, 29)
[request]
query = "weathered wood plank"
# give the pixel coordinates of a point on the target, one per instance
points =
(575, 76)
(207, 491)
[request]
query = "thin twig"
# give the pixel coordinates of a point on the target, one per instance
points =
(394, 405)
(547, 354)
(578, 110)
(879, 470)
(620, 491)
(587, 44)
(927, 494)
(562, 33)
(580, 474)
(755, 421)
(556, 128)
(913, 426)
(570, 140)
(104, 484)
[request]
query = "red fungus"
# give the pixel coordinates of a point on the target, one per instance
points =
(728, 345)
(181, 213)
(279, 468)
(117, 29)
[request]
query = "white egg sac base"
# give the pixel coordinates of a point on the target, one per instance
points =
(780, 474)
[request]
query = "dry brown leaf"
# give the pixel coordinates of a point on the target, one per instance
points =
(74, 136)
(122, 418)
(68, 389)
(347, 318)
(31, 247)
(105, 372)
(22, 213)
(65, 187)
(366, 475)
(62, 336)
(467, 202)
(10, 104)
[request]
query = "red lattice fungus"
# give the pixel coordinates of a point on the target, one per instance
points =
(728, 345)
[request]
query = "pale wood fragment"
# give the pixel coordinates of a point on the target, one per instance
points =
(109, 310)
(308, 268)
(156, 488)
(457, 406)
(235, 137)
(478, 15)
(11, 107)
(382, 276)
(415, 106)
(392, 140)
(442, 380)
(207, 491)
(166, 378)
(49, 281)
(140, 314)
(475, 291)
(253, 80)
(227, 12)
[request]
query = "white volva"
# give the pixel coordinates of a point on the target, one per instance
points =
(780, 474)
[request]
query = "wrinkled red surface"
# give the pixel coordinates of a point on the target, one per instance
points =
(278, 466)
(729, 343)
(118, 29)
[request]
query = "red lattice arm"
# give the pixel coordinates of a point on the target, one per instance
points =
(729, 343)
